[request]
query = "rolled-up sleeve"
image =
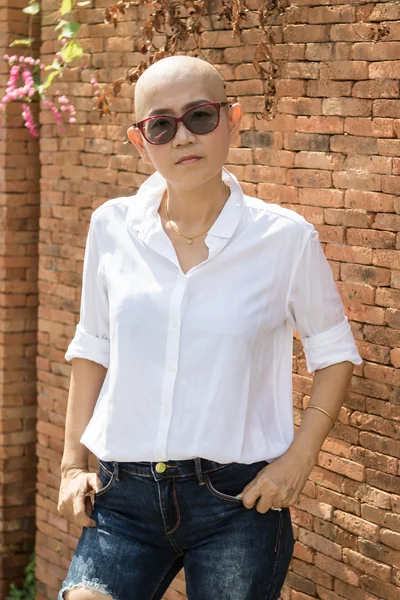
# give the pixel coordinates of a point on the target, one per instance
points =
(92, 336)
(317, 310)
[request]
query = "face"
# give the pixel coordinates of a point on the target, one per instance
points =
(211, 149)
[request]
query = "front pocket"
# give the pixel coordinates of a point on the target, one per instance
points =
(228, 481)
(107, 479)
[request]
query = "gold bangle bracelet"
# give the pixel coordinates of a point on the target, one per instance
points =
(324, 411)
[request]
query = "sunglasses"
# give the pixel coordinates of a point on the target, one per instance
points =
(201, 119)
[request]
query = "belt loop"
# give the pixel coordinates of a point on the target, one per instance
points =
(199, 472)
(116, 471)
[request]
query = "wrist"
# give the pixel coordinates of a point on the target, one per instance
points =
(303, 452)
(68, 469)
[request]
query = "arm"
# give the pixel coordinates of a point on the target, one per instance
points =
(76, 481)
(87, 378)
(316, 312)
(89, 351)
(281, 482)
(328, 391)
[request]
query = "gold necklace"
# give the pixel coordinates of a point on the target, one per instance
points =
(189, 240)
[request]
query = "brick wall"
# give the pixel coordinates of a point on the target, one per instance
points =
(19, 223)
(333, 155)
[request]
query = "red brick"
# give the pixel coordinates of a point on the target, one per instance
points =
(388, 297)
(341, 465)
(344, 69)
(386, 108)
(345, 253)
(370, 201)
(379, 552)
(347, 107)
(374, 460)
(335, 533)
(385, 70)
(328, 88)
(368, 565)
(309, 178)
(348, 217)
(336, 569)
(371, 239)
(385, 590)
(390, 538)
(319, 124)
(356, 525)
(338, 501)
(383, 481)
(377, 127)
(311, 33)
(308, 570)
(363, 274)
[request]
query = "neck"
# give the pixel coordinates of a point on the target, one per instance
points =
(195, 210)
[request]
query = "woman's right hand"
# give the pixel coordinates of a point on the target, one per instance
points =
(73, 501)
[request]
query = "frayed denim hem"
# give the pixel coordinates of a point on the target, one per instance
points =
(87, 584)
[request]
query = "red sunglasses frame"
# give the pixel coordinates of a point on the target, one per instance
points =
(140, 124)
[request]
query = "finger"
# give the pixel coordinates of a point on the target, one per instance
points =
(79, 507)
(246, 488)
(251, 496)
(264, 504)
(88, 506)
(94, 481)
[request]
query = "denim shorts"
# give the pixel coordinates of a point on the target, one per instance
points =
(151, 524)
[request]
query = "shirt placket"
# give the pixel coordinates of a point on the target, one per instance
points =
(171, 367)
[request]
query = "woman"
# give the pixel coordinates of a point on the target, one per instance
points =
(181, 372)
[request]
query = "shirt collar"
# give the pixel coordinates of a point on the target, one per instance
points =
(143, 209)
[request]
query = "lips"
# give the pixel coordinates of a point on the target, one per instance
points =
(188, 159)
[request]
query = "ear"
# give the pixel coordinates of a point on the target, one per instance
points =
(135, 136)
(235, 117)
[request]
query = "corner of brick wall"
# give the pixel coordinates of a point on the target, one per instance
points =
(332, 154)
(19, 217)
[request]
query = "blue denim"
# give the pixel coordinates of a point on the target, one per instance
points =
(150, 525)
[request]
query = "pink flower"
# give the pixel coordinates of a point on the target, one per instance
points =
(28, 118)
(72, 120)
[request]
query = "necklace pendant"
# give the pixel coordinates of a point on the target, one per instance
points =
(189, 241)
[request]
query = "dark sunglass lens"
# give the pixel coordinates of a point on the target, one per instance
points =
(159, 131)
(202, 120)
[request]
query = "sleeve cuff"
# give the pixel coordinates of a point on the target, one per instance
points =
(330, 347)
(86, 345)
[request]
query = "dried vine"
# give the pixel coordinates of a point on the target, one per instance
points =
(178, 21)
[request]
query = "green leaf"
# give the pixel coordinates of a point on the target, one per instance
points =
(49, 79)
(22, 42)
(69, 29)
(60, 24)
(71, 50)
(54, 65)
(32, 9)
(36, 79)
(66, 6)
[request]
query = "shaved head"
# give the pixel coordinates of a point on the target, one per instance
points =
(157, 87)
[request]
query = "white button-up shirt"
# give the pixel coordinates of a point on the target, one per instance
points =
(200, 364)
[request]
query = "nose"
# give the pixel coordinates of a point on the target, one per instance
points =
(183, 136)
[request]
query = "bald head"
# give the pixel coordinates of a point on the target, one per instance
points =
(168, 79)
